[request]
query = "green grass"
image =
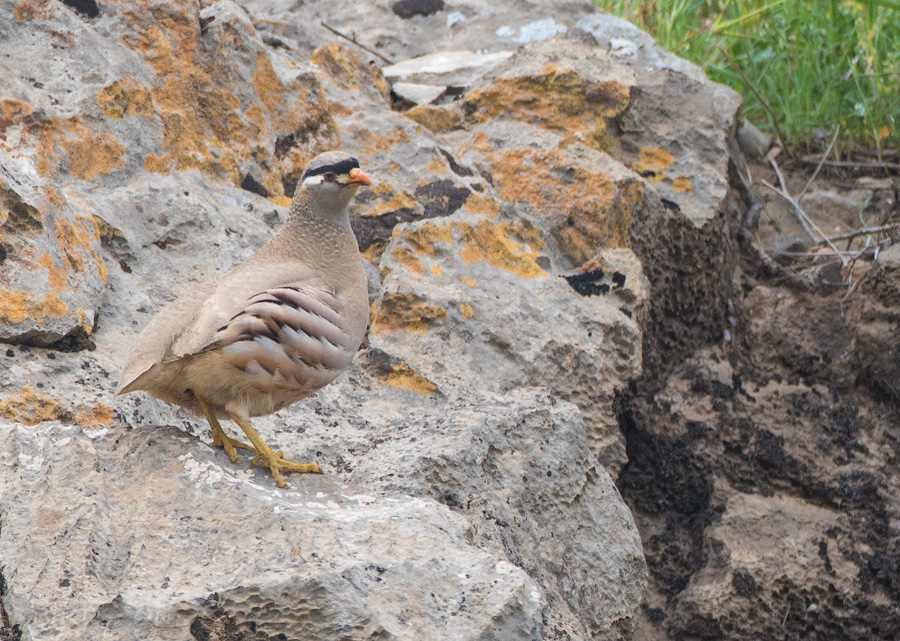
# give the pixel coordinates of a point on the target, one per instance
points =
(804, 67)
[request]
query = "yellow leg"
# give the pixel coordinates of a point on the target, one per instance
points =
(271, 459)
(218, 434)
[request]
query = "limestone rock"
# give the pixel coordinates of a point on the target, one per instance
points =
(465, 25)
(170, 94)
(534, 246)
(53, 273)
(631, 45)
(753, 142)
(789, 547)
(520, 468)
(575, 142)
(453, 68)
(418, 94)
(441, 303)
(141, 534)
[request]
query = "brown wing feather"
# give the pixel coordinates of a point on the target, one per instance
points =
(188, 324)
(293, 332)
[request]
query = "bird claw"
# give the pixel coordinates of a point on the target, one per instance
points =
(219, 437)
(272, 460)
(264, 454)
(275, 462)
(229, 445)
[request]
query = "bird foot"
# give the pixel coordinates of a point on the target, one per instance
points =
(219, 436)
(272, 460)
(275, 462)
(229, 444)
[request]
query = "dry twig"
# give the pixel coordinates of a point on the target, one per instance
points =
(856, 164)
(853, 285)
(819, 166)
(358, 44)
(863, 231)
(805, 222)
(774, 270)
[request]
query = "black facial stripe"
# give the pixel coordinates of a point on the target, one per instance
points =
(342, 167)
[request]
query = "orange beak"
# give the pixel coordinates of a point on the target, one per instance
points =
(358, 178)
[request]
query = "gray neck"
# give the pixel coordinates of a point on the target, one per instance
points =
(327, 243)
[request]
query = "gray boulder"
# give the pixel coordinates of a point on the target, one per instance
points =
(537, 236)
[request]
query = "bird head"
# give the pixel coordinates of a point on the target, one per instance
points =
(330, 181)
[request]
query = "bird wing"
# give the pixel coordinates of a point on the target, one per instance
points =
(292, 330)
(193, 321)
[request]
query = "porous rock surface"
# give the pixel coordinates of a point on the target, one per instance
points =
(557, 221)
(763, 471)
(165, 548)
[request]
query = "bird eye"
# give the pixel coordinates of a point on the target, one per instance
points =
(329, 176)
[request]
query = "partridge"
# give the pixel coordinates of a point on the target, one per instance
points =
(271, 330)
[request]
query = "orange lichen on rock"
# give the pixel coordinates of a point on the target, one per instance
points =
(420, 242)
(593, 227)
(683, 184)
(55, 198)
(586, 211)
(125, 97)
(379, 144)
(423, 237)
(347, 69)
(99, 415)
(436, 119)
(18, 305)
(28, 407)
(373, 253)
(405, 257)
(78, 241)
(257, 117)
(69, 239)
(298, 106)
(560, 100)
(480, 204)
(298, 116)
(195, 103)
(340, 110)
(33, 9)
(55, 278)
(13, 107)
(89, 154)
(437, 166)
(105, 231)
(198, 112)
(398, 200)
(402, 376)
(511, 247)
(383, 188)
(405, 313)
(465, 310)
(156, 164)
(83, 322)
(95, 155)
(652, 163)
(270, 90)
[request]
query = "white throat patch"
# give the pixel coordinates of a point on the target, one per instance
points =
(314, 180)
